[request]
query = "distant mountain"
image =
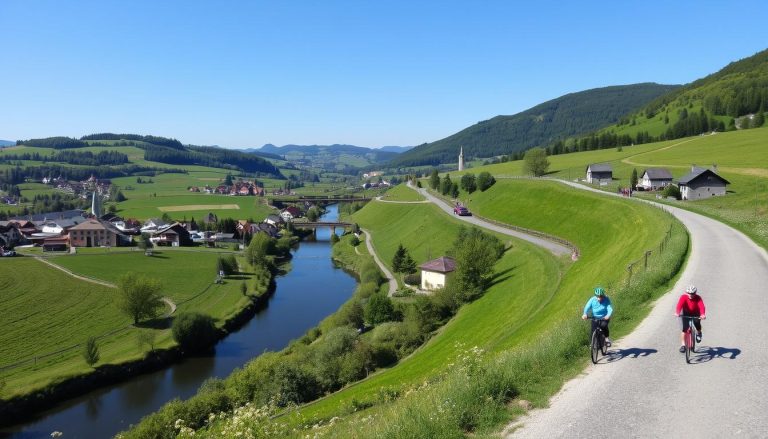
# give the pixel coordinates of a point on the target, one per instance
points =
(4, 143)
(396, 149)
(732, 98)
(570, 115)
(332, 158)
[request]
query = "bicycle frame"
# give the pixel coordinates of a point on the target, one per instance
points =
(690, 337)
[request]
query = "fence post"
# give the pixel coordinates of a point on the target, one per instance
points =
(647, 253)
(629, 269)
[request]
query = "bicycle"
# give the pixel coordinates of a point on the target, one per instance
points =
(690, 338)
(597, 344)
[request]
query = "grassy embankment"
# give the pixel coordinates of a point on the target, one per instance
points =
(527, 299)
(739, 155)
(52, 310)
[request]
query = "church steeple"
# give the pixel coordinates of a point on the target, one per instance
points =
(461, 158)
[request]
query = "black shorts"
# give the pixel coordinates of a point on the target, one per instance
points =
(686, 322)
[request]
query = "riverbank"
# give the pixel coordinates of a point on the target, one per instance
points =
(26, 407)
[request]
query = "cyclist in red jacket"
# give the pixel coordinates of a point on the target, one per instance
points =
(690, 304)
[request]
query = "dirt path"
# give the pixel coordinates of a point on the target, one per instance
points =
(388, 274)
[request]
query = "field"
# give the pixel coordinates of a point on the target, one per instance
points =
(48, 319)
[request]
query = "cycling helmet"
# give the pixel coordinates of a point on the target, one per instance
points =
(599, 291)
(691, 289)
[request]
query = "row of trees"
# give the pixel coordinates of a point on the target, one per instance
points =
(469, 183)
(155, 140)
(213, 157)
(86, 158)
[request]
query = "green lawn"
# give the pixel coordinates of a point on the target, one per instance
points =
(52, 310)
(402, 192)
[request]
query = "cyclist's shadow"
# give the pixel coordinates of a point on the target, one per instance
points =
(705, 354)
(620, 354)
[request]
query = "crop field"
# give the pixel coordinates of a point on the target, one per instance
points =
(209, 207)
(532, 289)
(48, 319)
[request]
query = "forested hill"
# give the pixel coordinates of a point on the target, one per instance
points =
(164, 150)
(6, 143)
(736, 97)
(567, 116)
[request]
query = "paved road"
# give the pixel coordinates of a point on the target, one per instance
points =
(646, 389)
(554, 247)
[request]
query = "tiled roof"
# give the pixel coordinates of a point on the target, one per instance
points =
(442, 264)
(600, 168)
(698, 172)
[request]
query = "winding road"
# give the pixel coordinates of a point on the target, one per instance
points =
(644, 388)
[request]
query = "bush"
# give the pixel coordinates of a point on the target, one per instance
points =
(334, 238)
(672, 191)
(228, 264)
(354, 241)
(91, 351)
(413, 279)
(379, 309)
(194, 331)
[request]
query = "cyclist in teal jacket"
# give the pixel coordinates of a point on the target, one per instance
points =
(600, 307)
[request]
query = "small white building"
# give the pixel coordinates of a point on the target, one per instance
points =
(434, 272)
(655, 178)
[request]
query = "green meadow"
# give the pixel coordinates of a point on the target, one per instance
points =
(532, 290)
(48, 319)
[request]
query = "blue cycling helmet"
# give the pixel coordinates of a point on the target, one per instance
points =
(599, 291)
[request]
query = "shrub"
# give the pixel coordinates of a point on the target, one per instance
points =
(379, 309)
(354, 241)
(194, 331)
(672, 191)
(412, 279)
(228, 264)
(91, 351)
(334, 238)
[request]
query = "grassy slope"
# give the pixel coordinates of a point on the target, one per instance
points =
(528, 296)
(402, 192)
(50, 319)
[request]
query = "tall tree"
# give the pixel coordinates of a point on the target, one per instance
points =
(398, 258)
(434, 180)
(633, 179)
(139, 296)
(468, 182)
(445, 185)
(536, 162)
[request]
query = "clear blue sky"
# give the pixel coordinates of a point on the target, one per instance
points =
(368, 73)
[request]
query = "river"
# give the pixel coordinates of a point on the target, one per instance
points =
(309, 292)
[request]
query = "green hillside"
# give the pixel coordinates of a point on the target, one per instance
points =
(332, 158)
(570, 115)
(733, 98)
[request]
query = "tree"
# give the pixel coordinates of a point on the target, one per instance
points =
(146, 339)
(434, 180)
(379, 309)
(672, 191)
(484, 181)
(243, 289)
(468, 183)
(475, 253)
(535, 162)
(334, 238)
(91, 351)
(194, 331)
(144, 242)
(445, 184)
(313, 214)
(408, 265)
(454, 190)
(397, 259)
(260, 248)
(354, 241)
(759, 118)
(633, 179)
(139, 296)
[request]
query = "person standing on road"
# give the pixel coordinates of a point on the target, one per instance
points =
(601, 309)
(690, 304)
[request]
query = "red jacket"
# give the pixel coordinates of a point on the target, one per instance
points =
(690, 306)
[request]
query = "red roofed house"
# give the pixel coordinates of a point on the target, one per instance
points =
(434, 272)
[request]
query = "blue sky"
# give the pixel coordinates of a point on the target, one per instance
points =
(242, 74)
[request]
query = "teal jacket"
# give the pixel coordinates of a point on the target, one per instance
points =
(599, 310)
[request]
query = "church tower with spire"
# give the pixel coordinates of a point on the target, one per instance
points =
(461, 158)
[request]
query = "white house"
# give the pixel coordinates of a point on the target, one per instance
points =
(434, 272)
(655, 179)
(153, 225)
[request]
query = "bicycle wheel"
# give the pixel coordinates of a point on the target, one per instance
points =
(595, 346)
(603, 344)
(688, 345)
(693, 338)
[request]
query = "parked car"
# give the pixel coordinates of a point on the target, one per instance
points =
(461, 211)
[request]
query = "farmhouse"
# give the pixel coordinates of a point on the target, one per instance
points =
(655, 179)
(701, 183)
(434, 272)
(174, 235)
(95, 233)
(290, 212)
(274, 219)
(597, 173)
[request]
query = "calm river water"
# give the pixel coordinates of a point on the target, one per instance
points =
(312, 290)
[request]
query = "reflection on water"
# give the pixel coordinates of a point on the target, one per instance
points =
(312, 290)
